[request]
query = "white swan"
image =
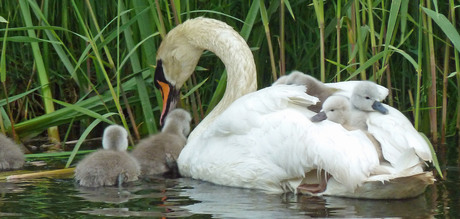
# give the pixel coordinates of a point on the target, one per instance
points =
(399, 139)
(338, 109)
(157, 154)
(323, 91)
(406, 153)
(111, 165)
(264, 139)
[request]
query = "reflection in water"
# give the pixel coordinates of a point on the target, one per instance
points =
(220, 201)
(160, 197)
(344, 207)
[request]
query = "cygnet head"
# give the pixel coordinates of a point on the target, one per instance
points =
(335, 109)
(178, 121)
(115, 138)
(366, 97)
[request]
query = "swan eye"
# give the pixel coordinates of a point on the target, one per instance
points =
(332, 110)
(368, 98)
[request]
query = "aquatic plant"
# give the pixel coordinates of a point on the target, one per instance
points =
(67, 66)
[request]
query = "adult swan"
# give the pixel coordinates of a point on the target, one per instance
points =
(262, 140)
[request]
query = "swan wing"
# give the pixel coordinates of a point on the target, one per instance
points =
(246, 112)
(399, 140)
(265, 139)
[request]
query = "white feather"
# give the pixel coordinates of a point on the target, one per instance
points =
(264, 140)
(398, 137)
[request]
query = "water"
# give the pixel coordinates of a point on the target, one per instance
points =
(162, 197)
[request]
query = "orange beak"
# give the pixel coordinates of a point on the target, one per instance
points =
(165, 90)
(168, 92)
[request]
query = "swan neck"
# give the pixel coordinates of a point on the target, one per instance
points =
(234, 52)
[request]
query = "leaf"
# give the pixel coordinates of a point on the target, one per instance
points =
(194, 89)
(2, 20)
(288, 6)
(15, 97)
(407, 56)
(452, 74)
(3, 58)
(446, 26)
(83, 137)
(84, 111)
(433, 154)
(367, 64)
(394, 11)
(26, 39)
(249, 22)
(56, 154)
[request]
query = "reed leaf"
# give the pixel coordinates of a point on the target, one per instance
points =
(84, 111)
(394, 11)
(53, 133)
(83, 137)
(115, 97)
(135, 60)
(3, 56)
(265, 22)
(59, 47)
(367, 64)
(433, 154)
(446, 26)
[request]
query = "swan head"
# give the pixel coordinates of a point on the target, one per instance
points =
(335, 109)
(177, 58)
(366, 97)
(178, 121)
(115, 138)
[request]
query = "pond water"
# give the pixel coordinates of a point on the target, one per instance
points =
(184, 197)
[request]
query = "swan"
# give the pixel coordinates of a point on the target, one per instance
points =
(315, 87)
(255, 139)
(11, 157)
(402, 150)
(158, 153)
(111, 165)
(388, 125)
(339, 109)
(324, 90)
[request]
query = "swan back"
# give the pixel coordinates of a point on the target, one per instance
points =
(115, 138)
(314, 87)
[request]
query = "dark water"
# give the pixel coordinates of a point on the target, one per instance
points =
(161, 197)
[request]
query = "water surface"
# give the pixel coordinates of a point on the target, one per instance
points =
(188, 198)
(161, 197)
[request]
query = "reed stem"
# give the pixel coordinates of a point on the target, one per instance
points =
(432, 103)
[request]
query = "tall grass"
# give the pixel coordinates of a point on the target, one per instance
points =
(93, 61)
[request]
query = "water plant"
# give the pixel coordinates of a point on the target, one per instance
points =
(69, 67)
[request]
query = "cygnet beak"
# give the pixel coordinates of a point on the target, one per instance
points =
(379, 107)
(319, 117)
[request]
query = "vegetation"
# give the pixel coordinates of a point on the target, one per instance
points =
(71, 67)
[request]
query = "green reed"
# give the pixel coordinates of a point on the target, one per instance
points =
(94, 60)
